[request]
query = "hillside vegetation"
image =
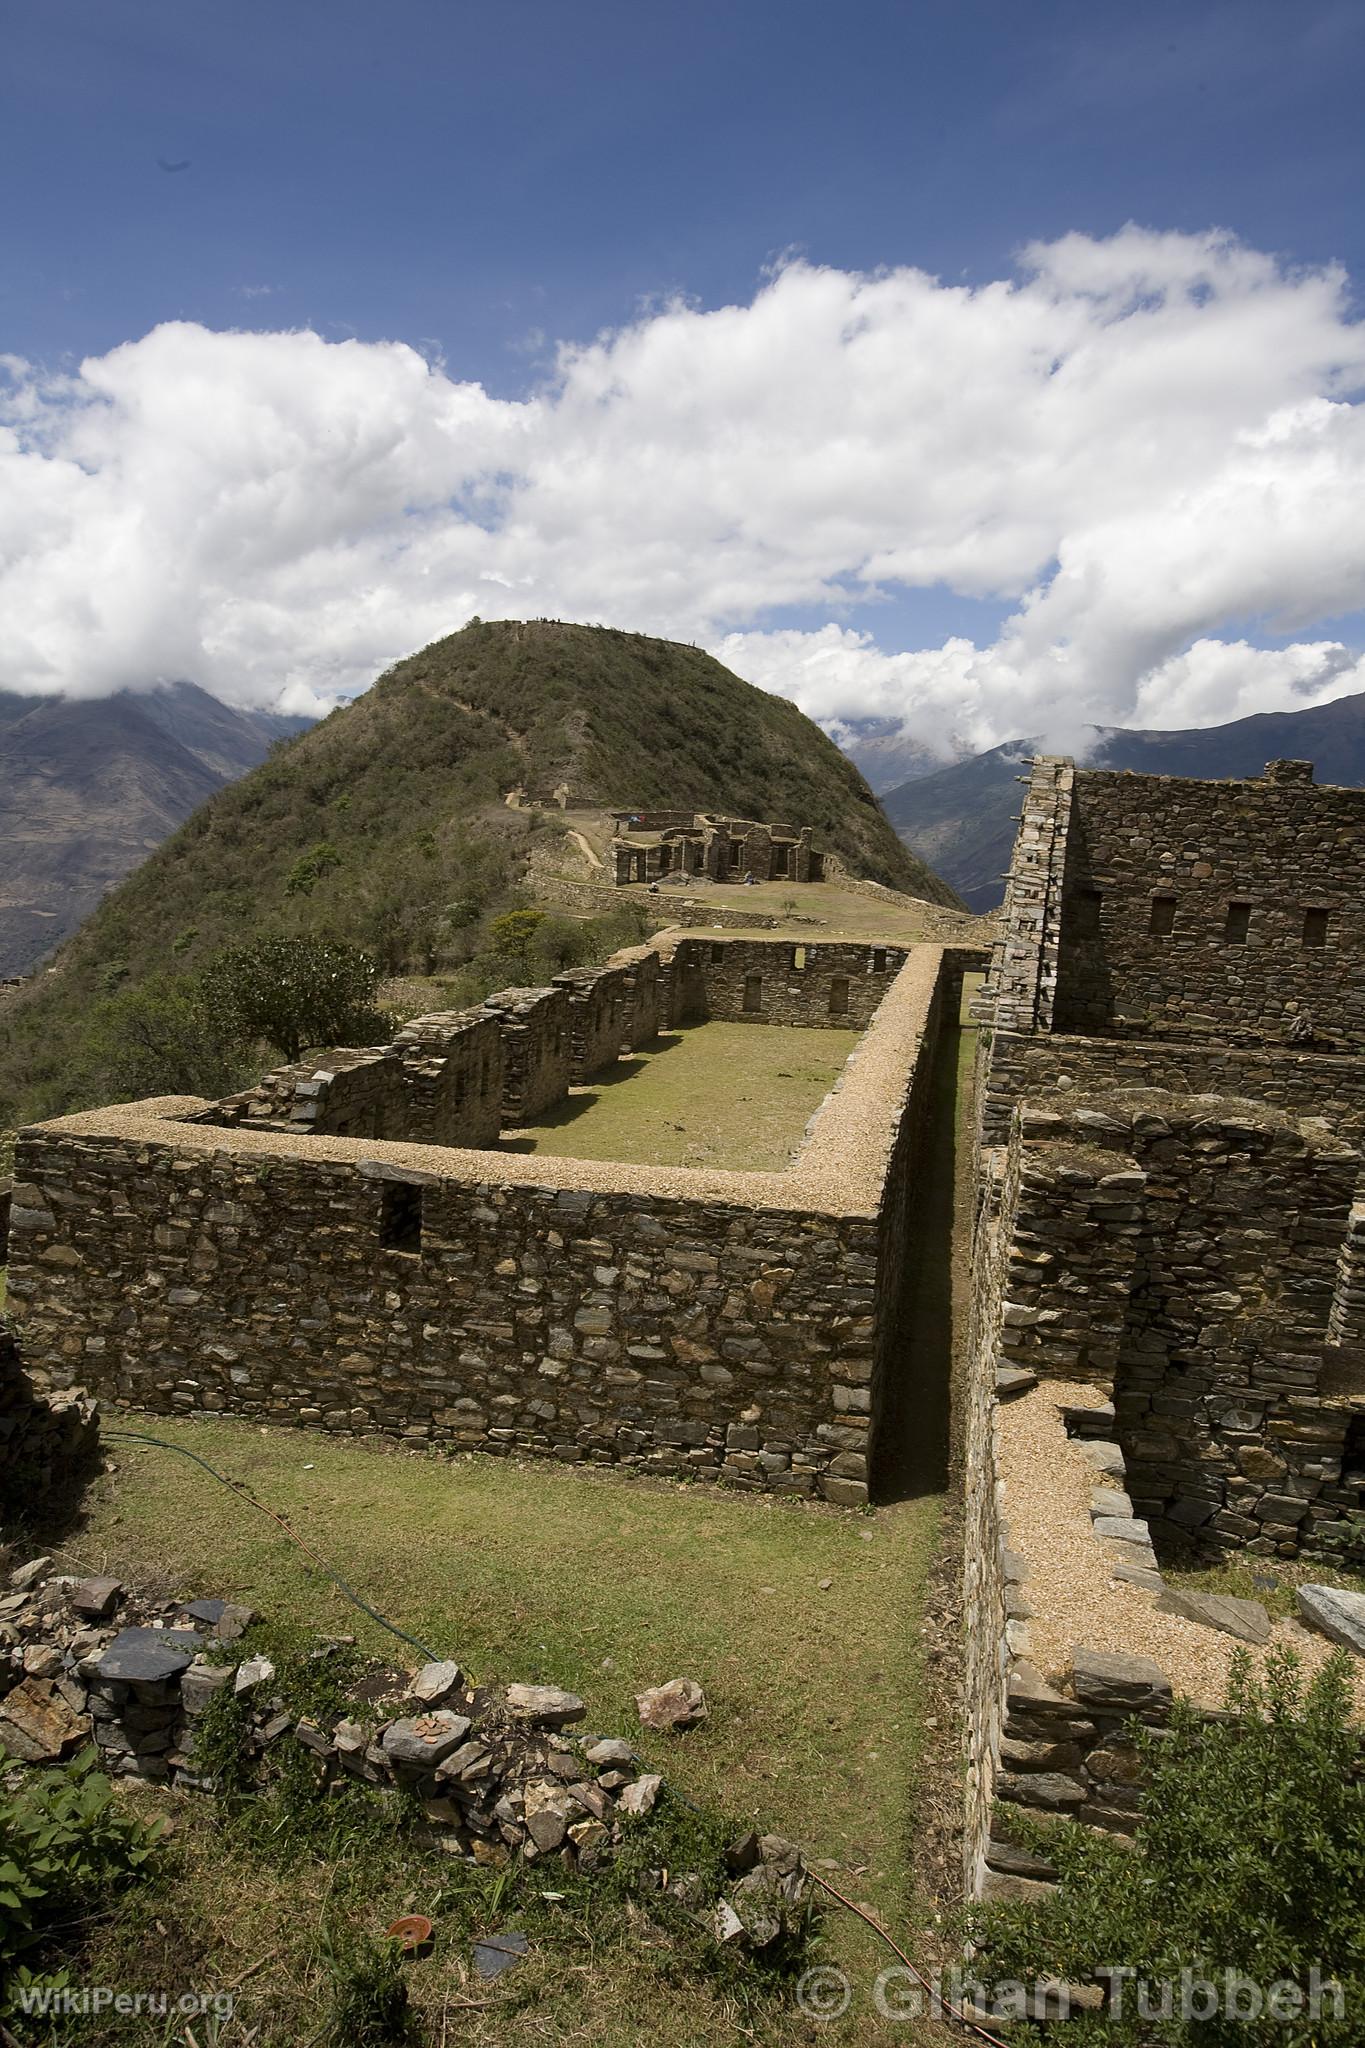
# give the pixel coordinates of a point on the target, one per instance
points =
(385, 824)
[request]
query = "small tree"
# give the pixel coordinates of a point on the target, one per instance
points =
(160, 1038)
(295, 992)
(511, 937)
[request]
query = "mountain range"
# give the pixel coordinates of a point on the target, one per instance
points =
(961, 819)
(89, 786)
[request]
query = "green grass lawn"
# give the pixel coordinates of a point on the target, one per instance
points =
(722, 1095)
(592, 1580)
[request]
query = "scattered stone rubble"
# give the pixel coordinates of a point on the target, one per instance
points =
(499, 1773)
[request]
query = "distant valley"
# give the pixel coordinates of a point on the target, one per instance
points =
(88, 787)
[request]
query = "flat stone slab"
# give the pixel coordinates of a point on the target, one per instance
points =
(1336, 1613)
(546, 1705)
(679, 1704)
(435, 1682)
(1107, 1500)
(141, 1656)
(1102, 1455)
(1102, 1678)
(1014, 1379)
(1122, 1529)
(1245, 1619)
(94, 1599)
(425, 1740)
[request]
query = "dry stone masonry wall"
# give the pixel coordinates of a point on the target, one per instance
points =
(1171, 1093)
(736, 1326)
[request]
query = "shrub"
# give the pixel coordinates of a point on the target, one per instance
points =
(64, 1847)
(1247, 1859)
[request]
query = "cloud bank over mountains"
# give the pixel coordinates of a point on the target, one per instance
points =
(1144, 449)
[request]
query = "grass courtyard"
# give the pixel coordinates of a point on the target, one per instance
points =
(801, 1623)
(734, 1096)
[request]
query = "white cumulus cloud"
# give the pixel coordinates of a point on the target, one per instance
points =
(1141, 448)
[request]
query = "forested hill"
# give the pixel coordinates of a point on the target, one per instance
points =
(385, 823)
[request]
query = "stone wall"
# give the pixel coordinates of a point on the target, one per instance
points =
(597, 1017)
(453, 1077)
(1302, 1082)
(646, 995)
(1227, 908)
(49, 1441)
(537, 1049)
(356, 1091)
(729, 1325)
(812, 983)
(1023, 974)
(439, 1083)
(1199, 1260)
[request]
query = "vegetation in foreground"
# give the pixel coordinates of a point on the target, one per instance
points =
(591, 1580)
(1247, 1859)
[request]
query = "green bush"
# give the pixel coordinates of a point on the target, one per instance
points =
(65, 1846)
(1248, 1858)
(294, 992)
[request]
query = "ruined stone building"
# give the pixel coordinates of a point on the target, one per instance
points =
(348, 1246)
(1169, 1217)
(648, 845)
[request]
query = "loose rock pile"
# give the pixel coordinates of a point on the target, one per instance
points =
(498, 1773)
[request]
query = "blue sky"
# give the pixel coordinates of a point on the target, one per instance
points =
(487, 183)
(469, 177)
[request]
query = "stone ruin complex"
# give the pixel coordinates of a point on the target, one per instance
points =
(345, 1246)
(652, 845)
(1172, 1108)
(1168, 1257)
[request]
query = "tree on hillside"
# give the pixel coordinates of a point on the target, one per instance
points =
(512, 935)
(160, 1038)
(295, 992)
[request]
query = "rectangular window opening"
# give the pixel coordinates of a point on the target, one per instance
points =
(838, 995)
(717, 954)
(753, 992)
(799, 958)
(400, 1217)
(879, 960)
(1086, 913)
(1315, 927)
(1238, 924)
(1163, 916)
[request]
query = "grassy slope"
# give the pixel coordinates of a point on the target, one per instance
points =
(586, 1579)
(405, 786)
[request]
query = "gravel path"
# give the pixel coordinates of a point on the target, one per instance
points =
(1048, 1483)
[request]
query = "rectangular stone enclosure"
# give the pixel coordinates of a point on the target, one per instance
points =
(176, 1255)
